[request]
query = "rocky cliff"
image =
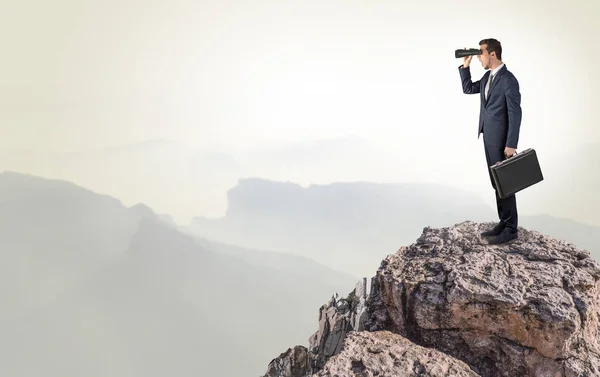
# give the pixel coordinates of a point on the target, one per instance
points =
(451, 304)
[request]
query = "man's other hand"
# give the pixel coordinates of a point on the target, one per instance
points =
(508, 152)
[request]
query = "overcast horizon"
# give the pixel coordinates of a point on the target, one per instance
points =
(310, 93)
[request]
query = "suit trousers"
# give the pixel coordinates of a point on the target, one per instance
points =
(507, 207)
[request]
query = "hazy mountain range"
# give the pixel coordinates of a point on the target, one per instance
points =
(354, 225)
(95, 288)
(155, 172)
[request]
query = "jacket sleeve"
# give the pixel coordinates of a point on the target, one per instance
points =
(513, 103)
(468, 86)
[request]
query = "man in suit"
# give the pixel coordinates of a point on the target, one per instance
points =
(499, 121)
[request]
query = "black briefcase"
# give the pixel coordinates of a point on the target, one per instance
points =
(516, 173)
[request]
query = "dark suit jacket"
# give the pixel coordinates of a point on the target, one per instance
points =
(499, 116)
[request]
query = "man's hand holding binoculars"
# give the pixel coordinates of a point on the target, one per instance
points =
(467, 60)
(467, 55)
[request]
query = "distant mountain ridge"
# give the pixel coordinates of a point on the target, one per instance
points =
(87, 282)
(353, 225)
(85, 278)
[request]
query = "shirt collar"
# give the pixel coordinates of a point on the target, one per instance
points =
(497, 69)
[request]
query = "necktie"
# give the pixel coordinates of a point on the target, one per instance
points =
(489, 84)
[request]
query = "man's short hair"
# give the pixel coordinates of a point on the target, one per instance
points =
(493, 45)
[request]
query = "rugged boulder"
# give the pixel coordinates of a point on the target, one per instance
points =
(526, 308)
(384, 353)
(293, 362)
(336, 319)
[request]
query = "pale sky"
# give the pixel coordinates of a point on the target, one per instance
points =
(245, 77)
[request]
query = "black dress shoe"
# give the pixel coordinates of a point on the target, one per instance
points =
(494, 231)
(506, 235)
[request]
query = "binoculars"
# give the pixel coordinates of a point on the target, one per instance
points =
(461, 53)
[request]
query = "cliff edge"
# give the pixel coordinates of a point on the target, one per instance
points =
(451, 304)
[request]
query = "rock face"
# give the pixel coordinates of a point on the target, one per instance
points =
(388, 354)
(527, 308)
(293, 362)
(337, 319)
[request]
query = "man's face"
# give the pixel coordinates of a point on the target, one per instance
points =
(484, 58)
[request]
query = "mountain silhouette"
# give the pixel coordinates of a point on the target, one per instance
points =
(95, 288)
(352, 225)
